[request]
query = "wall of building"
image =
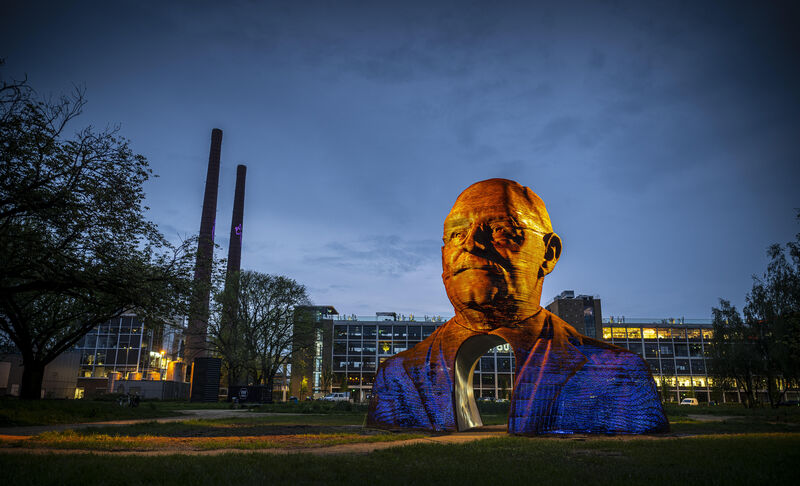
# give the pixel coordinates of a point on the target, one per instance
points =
(60, 375)
(583, 312)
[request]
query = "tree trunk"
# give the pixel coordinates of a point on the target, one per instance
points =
(270, 384)
(32, 376)
(233, 377)
(771, 391)
(745, 384)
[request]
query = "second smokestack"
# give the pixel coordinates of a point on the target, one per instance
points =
(237, 219)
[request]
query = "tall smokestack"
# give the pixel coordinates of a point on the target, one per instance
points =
(235, 247)
(198, 317)
(234, 263)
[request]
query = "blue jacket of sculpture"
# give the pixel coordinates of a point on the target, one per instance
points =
(564, 383)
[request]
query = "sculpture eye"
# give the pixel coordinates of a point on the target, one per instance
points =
(504, 234)
(502, 231)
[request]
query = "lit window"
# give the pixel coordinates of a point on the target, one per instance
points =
(618, 332)
(634, 332)
(649, 333)
(606, 333)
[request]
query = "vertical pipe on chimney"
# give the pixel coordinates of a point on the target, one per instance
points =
(198, 317)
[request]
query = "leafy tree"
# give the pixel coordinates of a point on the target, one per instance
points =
(734, 358)
(260, 324)
(666, 390)
(303, 388)
(77, 249)
(773, 309)
(227, 333)
(326, 380)
(763, 347)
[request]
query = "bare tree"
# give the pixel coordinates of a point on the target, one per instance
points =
(257, 331)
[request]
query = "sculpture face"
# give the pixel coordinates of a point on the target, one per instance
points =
(498, 245)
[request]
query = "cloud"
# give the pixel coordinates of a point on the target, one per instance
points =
(556, 131)
(390, 255)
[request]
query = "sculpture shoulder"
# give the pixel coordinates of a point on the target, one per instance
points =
(611, 356)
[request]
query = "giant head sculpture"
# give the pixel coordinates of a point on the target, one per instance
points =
(498, 244)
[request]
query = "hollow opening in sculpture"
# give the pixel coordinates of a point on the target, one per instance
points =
(467, 414)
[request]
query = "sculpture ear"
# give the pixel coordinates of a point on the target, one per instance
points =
(552, 252)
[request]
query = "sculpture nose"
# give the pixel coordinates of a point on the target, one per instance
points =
(475, 238)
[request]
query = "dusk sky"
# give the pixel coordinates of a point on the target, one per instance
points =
(664, 137)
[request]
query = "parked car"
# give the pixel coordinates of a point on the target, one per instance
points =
(337, 397)
(689, 401)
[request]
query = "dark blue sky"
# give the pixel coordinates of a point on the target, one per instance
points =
(663, 136)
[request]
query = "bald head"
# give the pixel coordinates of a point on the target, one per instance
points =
(506, 196)
(498, 246)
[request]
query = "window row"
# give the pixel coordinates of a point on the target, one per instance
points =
(677, 366)
(371, 348)
(366, 331)
(91, 341)
(656, 333)
(664, 350)
(110, 357)
(491, 380)
(383, 348)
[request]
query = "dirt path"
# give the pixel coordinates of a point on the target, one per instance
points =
(360, 448)
(710, 418)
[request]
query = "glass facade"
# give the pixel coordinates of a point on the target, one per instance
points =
(123, 345)
(674, 349)
(360, 346)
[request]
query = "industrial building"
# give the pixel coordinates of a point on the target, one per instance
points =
(347, 350)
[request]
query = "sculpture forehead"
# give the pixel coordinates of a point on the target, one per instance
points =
(497, 198)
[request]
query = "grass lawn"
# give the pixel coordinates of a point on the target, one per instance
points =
(244, 432)
(707, 445)
(15, 412)
(727, 459)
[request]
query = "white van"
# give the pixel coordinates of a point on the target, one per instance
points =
(337, 397)
(689, 401)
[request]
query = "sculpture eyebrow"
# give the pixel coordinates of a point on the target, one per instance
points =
(457, 223)
(465, 222)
